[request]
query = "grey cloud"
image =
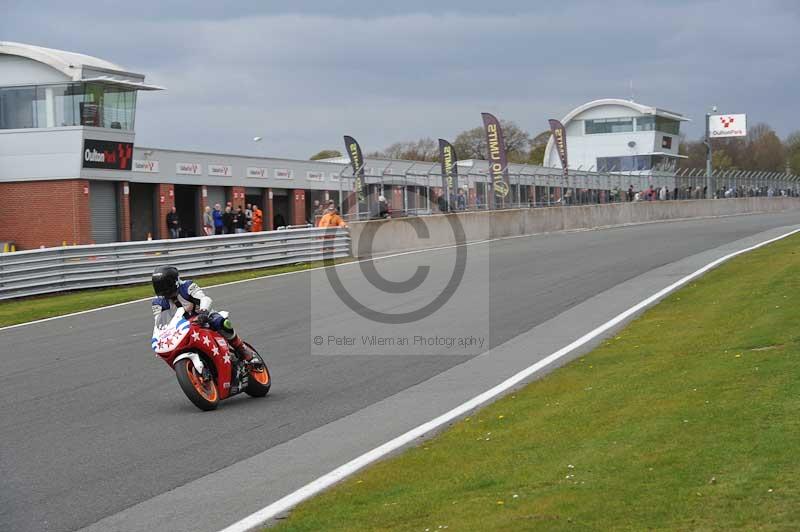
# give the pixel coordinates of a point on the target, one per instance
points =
(300, 75)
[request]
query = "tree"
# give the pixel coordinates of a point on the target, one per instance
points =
(760, 150)
(538, 145)
(793, 152)
(720, 160)
(425, 149)
(471, 144)
(765, 149)
(695, 152)
(325, 154)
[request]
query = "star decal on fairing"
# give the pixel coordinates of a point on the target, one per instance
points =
(227, 358)
(215, 350)
(206, 341)
(196, 336)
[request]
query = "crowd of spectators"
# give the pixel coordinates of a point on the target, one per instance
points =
(232, 220)
(217, 221)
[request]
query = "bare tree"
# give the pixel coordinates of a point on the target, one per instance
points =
(425, 149)
(538, 145)
(471, 144)
(325, 154)
(764, 149)
(793, 152)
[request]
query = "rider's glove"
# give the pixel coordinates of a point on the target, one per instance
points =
(202, 317)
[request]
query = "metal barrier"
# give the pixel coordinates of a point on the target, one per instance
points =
(417, 193)
(45, 271)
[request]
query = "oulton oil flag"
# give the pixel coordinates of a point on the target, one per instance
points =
(448, 158)
(498, 162)
(357, 160)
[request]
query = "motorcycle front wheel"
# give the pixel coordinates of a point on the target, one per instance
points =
(203, 393)
(260, 381)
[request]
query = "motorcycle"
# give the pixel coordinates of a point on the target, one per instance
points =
(208, 370)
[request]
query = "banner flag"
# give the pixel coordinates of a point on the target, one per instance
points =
(560, 141)
(449, 160)
(498, 161)
(357, 160)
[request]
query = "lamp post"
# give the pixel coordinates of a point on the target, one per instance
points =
(709, 169)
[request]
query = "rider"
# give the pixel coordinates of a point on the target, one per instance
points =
(173, 293)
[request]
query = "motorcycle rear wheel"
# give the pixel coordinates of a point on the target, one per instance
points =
(202, 393)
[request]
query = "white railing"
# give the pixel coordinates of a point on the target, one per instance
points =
(45, 271)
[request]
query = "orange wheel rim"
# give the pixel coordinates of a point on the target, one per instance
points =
(207, 389)
(260, 375)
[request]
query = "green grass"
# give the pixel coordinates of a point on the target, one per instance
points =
(28, 309)
(687, 420)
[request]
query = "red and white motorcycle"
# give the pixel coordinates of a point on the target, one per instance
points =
(208, 370)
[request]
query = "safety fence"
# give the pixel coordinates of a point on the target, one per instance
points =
(46, 271)
(420, 193)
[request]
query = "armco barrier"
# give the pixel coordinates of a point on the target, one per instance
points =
(45, 271)
(401, 234)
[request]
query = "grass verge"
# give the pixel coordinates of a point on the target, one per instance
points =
(28, 309)
(689, 419)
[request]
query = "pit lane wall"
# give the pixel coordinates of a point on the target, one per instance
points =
(406, 234)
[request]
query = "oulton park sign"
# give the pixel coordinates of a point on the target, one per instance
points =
(721, 126)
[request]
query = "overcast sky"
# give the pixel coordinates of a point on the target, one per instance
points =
(302, 74)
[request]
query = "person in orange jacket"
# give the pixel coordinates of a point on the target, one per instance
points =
(258, 219)
(331, 218)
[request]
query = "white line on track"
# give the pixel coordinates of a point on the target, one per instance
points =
(383, 257)
(312, 488)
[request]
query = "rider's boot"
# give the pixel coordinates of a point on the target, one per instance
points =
(243, 350)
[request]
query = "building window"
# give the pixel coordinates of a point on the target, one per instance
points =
(657, 123)
(667, 125)
(69, 104)
(608, 125)
(664, 163)
(628, 163)
(645, 123)
(18, 108)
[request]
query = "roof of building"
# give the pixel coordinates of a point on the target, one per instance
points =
(643, 109)
(72, 65)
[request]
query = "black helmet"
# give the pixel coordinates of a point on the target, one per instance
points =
(165, 281)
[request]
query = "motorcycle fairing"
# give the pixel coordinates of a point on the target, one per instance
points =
(166, 337)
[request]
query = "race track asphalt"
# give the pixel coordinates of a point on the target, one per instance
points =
(93, 424)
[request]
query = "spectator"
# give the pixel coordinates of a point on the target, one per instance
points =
(662, 194)
(248, 217)
(442, 203)
(313, 212)
(461, 200)
(258, 219)
(331, 218)
(227, 221)
(630, 193)
(217, 215)
(278, 221)
(173, 223)
(208, 221)
(239, 220)
(383, 207)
